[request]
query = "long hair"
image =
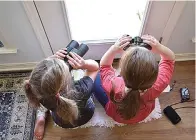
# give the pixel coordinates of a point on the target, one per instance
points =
(139, 70)
(49, 78)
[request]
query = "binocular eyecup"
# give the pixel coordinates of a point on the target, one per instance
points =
(138, 41)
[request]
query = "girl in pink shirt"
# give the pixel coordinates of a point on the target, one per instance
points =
(130, 97)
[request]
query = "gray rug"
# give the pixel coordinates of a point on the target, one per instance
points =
(16, 116)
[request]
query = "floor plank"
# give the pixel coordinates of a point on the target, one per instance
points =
(160, 129)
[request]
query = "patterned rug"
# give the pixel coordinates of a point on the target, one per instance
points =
(16, 116)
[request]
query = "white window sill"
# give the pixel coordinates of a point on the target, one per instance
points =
(5, 50)
(98, 42)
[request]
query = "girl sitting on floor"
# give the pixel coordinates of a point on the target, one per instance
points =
(130, 97)
(50, 86)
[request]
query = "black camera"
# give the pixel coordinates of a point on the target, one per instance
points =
(185, 96)
(139, 42)
(74, 46)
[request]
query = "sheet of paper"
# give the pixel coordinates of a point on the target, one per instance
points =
(167, 89)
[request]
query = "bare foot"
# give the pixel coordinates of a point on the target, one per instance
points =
(39, 128)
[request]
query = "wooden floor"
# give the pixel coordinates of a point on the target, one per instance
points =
(161, 129)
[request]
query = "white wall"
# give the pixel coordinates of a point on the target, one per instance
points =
(158, 16)
(180, 39)
(184, 30)
(18, 32)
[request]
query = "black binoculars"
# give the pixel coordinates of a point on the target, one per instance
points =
(74, 46)
(137, 41)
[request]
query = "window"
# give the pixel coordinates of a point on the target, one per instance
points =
(102, 20)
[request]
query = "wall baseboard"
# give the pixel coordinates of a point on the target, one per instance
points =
(185, 56)
(17, 66)
(31, 65)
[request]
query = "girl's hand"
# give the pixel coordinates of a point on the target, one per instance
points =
(158, 48)
(76, 61)
(153, 42)
(61, 53)
(121, 44)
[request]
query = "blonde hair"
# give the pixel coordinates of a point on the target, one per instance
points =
(47, 79)
(139, 70)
